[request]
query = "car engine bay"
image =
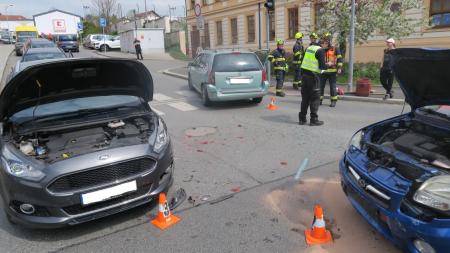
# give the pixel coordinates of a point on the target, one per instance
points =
(53, 146)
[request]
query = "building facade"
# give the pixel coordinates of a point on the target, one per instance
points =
(12, 21)
(242, 24)
(57, 22)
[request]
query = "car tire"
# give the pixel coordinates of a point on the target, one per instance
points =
(257, 100)
(205, 98)
(191, 87)
(103, 47)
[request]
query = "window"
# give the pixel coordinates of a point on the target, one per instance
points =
(293, 22)
(192, 4)
(251, 28)
(440, 13)
(219, 33)
(234, 31)
(272, 26)
(205, 2)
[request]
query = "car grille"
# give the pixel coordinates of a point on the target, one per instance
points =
(100, 176)
(79, 209)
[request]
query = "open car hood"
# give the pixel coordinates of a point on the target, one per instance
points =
(74, 78)
(424, 75)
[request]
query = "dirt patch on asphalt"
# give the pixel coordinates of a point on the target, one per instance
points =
(295, 202)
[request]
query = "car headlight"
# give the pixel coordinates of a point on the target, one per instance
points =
(21, 170)
(162, 138)
(435, 193)
(356, 140)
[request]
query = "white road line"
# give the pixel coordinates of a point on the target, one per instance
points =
(188, 94)
(182, 106)
(161, 97)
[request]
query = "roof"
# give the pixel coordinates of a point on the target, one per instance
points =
(13, 18)
(55, 10)
(144, 14)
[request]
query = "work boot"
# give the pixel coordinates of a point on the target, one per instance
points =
(280, 94)
(301, 119)
(333, 103)
(321, 102)
(315, 122)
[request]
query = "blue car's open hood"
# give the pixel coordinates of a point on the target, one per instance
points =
(424, 75)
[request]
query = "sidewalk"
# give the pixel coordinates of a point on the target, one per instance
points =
(376, 96)
(5, 52)
(119, 54)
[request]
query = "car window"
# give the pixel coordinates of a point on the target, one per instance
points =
(43, 56)
(235, 62)
(73, 105)
(67, 37)
(42, 45)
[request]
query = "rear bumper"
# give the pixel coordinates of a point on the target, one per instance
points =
(398, 228)
(216, 94)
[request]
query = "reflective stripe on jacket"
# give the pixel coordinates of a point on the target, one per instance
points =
(310, 61)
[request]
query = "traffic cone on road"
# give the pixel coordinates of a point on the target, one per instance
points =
(272, 105)
(165, 218)
(318, 233)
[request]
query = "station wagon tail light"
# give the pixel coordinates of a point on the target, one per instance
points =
(264, 75)
(212, 78)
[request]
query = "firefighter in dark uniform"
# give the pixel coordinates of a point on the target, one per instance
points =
(298, 51)
(333, 57)
(313, 37)
(313, 65)
(280, 67)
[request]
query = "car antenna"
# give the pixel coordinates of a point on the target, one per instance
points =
(37, 103)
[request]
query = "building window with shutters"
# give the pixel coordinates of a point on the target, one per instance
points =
(272, 26)
(440, 13)
(293, 22)
(234, 31)
(219, 33)
(251, 28)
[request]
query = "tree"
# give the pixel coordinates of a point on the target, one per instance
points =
(105, 8)
(386, 17)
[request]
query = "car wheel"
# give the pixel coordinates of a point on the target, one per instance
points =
(104, 47)
(257, 100)
(205, 98)
(191, 87)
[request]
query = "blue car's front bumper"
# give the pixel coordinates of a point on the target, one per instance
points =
(386, 216)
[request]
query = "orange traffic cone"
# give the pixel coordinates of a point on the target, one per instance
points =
(318, 233)
(272, 105)
(164, 219)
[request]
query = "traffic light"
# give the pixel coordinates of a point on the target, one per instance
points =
(270, 5)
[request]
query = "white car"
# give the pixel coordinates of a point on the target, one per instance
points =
(108, 44)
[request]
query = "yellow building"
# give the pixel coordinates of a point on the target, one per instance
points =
(235, 24)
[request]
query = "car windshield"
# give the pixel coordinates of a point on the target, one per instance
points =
(440, 110)
(74, 105)
(42, 44)
(43, 56)
(236, 62)
(67, 37)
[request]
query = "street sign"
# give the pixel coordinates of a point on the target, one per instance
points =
(102, 22)
(198, 10)
(200, 23)
(80, 26)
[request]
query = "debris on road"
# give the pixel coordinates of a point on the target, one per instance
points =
(200, 151)
(178, 198)
(301, 169)
(200, 131)
(236, 189)
(284, 163)
(189, 179)
(220, 199)
(204, 142)
(205, 197)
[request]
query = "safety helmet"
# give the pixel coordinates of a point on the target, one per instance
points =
(298, 35)
(327, 35)
(280, 42)
(314, 35)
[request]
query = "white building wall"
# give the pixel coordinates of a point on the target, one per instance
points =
(279, 23)
(14, 24)
(152, 40)
(45, 23)
(226, 29)
(242, 31)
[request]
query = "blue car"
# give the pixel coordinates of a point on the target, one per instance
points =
(396, 173)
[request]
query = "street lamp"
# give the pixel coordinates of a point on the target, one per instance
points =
(7, 20)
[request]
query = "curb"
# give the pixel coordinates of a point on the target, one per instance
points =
(169, 73)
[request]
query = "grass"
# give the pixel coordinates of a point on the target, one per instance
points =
(176, 53)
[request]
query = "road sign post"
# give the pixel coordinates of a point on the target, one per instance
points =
(102, 23)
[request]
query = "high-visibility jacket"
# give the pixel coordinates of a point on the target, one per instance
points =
(298, 53)
(310, 61)
(278, 59)
(333, 55)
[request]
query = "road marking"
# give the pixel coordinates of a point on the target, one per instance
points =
(161, 97)
(189, 94)
(182, 106)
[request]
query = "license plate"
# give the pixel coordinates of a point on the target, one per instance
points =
(239, 81)
(108, 193)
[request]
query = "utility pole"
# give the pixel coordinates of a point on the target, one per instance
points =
(352, 46)
(135, 24)
(145, 5)
(259, 26)
(7, 21)
(267, 42)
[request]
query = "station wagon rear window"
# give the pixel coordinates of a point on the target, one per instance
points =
(236, 62)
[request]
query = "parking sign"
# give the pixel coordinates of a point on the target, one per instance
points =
(102, 22)
(80, 26)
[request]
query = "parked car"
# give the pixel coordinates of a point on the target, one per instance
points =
(224, 75)
(8, 39)
(38, 43)
(34, 54)
(67, 42)
(396, 173)
(97, 38)
(108, 44)
(79, 141)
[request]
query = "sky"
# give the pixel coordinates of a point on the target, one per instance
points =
(28, 8)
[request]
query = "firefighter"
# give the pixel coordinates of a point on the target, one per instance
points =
(298, 51)
(313, 65)
(313, 37)
(278, 59)
(333, 57)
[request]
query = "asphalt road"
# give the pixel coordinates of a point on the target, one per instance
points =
(249, 151)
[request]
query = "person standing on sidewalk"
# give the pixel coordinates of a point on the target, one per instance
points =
(137, 47)
(313, 65)
(298, 51)
(278, 59)
(386, 72)
(333, 57)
